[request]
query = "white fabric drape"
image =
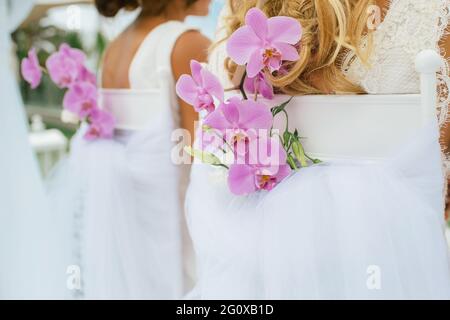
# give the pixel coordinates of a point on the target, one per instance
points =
(27, 252)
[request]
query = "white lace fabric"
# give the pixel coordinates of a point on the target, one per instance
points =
(409, 27)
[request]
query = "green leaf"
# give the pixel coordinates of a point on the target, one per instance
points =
(277, 109)
(286, 139)
(205, 157)
(291, 162)
(299, 153)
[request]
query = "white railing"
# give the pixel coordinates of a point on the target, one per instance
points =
(50, 146)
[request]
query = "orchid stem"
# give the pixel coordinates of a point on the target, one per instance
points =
(241, 86)
(224, 141)
(222, 165)
(287, 120)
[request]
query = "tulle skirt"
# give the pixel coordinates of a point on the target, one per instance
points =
(340, 230)
(119, 203)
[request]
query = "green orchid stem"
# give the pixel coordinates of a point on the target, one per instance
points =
(223, 140)
(287, 120)
(221, 165)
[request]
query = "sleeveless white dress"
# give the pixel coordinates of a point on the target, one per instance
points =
(341, 230)
(124, 196)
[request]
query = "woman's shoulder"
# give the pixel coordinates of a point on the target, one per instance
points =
(192, 44)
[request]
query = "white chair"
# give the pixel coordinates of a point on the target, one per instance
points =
(364, 126)
(50, 146)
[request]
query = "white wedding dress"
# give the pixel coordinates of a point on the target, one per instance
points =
(329, 231)
(123, 197)
(30, 255)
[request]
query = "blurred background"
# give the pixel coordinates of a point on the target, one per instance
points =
(50, 23)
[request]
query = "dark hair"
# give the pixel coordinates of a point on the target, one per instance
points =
(109, 8)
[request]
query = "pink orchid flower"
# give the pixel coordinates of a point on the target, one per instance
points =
(85, 75)
(239, 121)
(244, 179)
(200, 89)
(81, 99)
(64, 66)
(31, 70)
(264, 43)
(259, 84)
(101, 126)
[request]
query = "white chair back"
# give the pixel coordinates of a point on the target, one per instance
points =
(364, 126)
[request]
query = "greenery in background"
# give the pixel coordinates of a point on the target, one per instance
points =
(47, 40)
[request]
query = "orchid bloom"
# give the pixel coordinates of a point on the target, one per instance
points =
(200, 89)
(102, 125)
(244, 179)
(238, 120)
(31, 70)
(264, 43)
(259, 84)
(64, 66)
(81, 99)
(85, 75)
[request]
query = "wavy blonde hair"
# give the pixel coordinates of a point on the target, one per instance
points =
(331, 28)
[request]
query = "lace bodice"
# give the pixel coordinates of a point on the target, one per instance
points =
(409, 27)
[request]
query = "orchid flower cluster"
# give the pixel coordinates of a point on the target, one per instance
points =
(237, 133)
(67, 70)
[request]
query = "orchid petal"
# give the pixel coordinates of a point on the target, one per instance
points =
(76, 54)
(31, 70)
(250, 85)
(242, 44)
(288, 52)
(266, 89)
(187, 89)
(217, 120)
(257, 20)
(241, 180)
(231, 113)
(196, 69)
(283, 172)
(255, 64)
(255, 115)
(284, 29)
(212, 85)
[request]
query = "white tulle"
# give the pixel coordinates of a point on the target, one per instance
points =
(121, 197)
(319, 233)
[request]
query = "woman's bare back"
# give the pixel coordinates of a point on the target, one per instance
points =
(121, 52)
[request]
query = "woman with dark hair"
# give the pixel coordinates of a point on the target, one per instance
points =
(126, 194)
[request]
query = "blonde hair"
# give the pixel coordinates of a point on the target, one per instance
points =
(330, 29)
